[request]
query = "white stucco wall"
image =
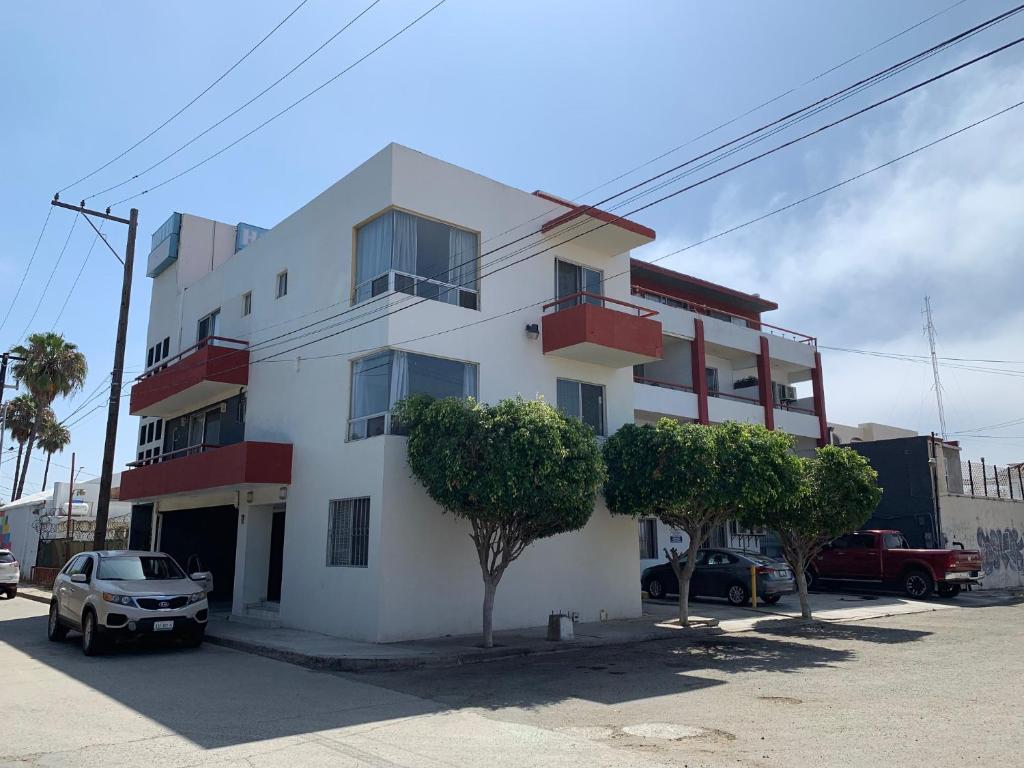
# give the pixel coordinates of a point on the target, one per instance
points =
(995, 527)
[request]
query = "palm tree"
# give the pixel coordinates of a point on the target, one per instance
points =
(50, 367)
(53, 437)
(21, 413)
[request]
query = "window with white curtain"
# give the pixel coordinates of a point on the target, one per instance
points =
(398, 251)
(381, 380)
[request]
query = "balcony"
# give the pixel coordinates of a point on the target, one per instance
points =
(212, 370)
(207, 467)
(596, 329)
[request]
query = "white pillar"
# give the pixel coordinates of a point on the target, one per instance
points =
(252, 555)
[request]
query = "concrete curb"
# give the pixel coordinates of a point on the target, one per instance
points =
(38, 597)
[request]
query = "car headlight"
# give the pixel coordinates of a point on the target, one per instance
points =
(195, 597)
(110, 597)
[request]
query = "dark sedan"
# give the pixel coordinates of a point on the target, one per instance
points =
(724, 573)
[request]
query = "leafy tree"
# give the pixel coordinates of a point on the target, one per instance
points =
(837, 492)
(51, 367)
(53, 438)
(518, 471)
(20, 415)
(695, 477)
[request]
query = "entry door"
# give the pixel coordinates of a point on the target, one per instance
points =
(276, 566)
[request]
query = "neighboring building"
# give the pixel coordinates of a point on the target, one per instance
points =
(287, 477)
(34, 527)
(937, 500)
(866, 432)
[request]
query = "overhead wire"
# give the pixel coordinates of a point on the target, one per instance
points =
(28, 266)
(49, 280)
(78, 277)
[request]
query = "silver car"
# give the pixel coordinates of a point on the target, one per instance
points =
(124, 594)
(10, 574)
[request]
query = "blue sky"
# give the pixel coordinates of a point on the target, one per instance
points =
(562, 97)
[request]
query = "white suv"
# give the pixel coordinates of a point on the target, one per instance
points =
(10, 574)
(126, 594)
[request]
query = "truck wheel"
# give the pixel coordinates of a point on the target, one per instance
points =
(918, 584)
(949, 590)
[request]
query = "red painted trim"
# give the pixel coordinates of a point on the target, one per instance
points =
(764, 384)
(208, 363)
(818, 386)
(641, 265)
(700, 378)
(224, 467)
(596, 213)
(601, 325)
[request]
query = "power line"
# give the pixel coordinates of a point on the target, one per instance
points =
(28, 266)
(46, 287)
(291, 106)
(78, 277)
(234, 112)
(193, 101)
(928, 357)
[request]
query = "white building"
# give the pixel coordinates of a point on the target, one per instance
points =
(36, 526)
(272, 457)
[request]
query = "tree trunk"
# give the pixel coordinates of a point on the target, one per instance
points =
(490, 586)
(46, 471)
(17, 473)
(801, 588)
(28, 452)
(684, 575)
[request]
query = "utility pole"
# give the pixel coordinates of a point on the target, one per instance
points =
(929, 328)
(71, 495)
(5, 358)
(117, 374)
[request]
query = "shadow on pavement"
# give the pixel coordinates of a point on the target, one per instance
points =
(610, 675)
(838, 631)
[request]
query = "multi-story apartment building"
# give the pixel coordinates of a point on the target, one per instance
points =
(274, 358)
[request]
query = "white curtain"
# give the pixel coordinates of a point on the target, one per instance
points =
(469, 382)
(399, 377)
(405, 243)
(462, 258)
(373, 252)
(370, 385)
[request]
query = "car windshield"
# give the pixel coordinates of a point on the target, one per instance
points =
(139, 568)
(6, 557)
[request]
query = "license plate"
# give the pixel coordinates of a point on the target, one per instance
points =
(783, 574)
(160, 626)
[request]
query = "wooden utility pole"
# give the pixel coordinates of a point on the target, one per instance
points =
(71, 495)
(117, 374)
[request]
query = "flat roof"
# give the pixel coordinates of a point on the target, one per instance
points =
(678, 280)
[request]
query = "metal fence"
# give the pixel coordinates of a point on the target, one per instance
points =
(982, 479)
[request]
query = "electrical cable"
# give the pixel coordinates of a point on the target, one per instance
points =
(46, 287)
(28, 266)
(78, 277)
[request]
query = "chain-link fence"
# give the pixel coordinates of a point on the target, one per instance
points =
(982, 479)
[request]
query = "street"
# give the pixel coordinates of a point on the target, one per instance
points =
(920, 689)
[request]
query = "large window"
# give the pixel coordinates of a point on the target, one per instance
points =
(382, 380)
(571, 279)
(648, 538)
(402, 252)
(348, 532)
(207, 326)
(583, 401)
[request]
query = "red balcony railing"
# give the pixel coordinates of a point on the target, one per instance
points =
(664, 384)
(598, 329)
(207, 467)
(214, 367)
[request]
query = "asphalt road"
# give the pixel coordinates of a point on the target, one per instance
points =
(941, 688)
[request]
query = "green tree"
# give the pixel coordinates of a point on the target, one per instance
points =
(53, 438)
(695, 477)
(517, 472)
(837, 492)
(51, 367)
(20, 415)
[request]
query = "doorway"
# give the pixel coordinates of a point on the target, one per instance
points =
(275, 568)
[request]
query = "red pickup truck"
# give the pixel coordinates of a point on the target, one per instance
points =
(884, 557)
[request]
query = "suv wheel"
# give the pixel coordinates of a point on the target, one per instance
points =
(918, 584)
(655, 589)
(55, 631)
(738, 594)
(92, 642)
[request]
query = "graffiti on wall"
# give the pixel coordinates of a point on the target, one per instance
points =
(1001, 550)
(5, 531)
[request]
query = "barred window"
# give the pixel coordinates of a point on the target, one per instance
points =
(348, 532)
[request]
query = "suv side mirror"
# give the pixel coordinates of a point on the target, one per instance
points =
(79, 578)
(199, 575)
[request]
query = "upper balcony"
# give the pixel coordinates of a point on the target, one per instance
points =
(596, 329)
(211, 370)
(202, 468)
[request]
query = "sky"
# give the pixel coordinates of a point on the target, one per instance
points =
(564, 97)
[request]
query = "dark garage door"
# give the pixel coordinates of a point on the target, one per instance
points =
(208, 532)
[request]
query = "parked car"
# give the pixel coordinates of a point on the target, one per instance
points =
(884, 557)
(126, 595)
(10, 574)
(724, 573)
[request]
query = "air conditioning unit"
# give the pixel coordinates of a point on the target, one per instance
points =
(788, 392)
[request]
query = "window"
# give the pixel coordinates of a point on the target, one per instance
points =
(158, 352)
(166, 347)
(149, 431)
(648, 539)
(142, 434)
(207, 326)
(712, 378)
(246, 303)
(159, 429)
(409, 254)
(382, 380)
(282, 284)
(572, 278)
(348, 532)
(894, 541)
(862, 541)
(720, 558)
(149, 358)
(583, 401)
(139, 568)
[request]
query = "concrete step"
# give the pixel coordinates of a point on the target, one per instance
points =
(264, 605)
(267, 621)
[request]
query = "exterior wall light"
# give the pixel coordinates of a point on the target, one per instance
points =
(248, 497)
(533, 331)
(283, 493)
